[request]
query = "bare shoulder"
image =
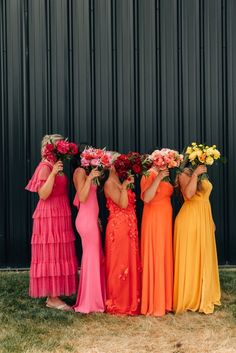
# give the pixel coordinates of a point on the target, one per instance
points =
(79, 173)
(111, 186)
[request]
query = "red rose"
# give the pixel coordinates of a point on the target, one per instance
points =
(105, 160)
(137, 169)
(63, 147)
(49, 147)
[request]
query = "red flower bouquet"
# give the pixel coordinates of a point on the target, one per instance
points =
(96, 158)
(59, 151)
(132, 163)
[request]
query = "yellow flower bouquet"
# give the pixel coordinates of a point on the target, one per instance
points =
(201, 154)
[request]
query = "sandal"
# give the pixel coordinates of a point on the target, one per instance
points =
(63, 307)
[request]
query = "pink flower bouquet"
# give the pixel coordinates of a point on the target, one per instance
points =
(96, 158)
(166, 158)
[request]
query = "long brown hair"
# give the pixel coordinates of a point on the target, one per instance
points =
(189, 171)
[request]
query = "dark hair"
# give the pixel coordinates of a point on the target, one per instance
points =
(76, 161)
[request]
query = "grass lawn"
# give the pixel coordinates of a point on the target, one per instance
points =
(26, 326)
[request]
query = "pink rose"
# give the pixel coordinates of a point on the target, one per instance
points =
(95, 162)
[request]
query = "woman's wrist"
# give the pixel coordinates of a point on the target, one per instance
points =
(53, 174)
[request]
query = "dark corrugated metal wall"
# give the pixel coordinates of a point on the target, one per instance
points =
(128, 74)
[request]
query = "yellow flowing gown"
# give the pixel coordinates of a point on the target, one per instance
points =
(196, 276)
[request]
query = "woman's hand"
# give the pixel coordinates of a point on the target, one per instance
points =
(94, 174)
(201, 169)
(163, 174)
(129, 180)
(58, 167)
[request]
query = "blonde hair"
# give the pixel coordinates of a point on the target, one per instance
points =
(50, 139)
(115, 155)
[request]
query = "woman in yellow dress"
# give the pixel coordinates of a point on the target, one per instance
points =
(196, 276)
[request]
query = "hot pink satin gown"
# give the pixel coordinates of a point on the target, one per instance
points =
(92, 289)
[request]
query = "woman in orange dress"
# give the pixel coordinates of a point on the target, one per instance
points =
(156, 244)
(122, 251)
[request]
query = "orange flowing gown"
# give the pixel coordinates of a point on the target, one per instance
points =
(123, 270)
(156, 249)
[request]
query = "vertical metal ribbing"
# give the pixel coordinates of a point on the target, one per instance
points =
(136, 75)
(202, 72)
(49, 76)
(114, 74)
(26, 115)
(93, 77)
(225, 127)
(158, 66)
(3, 129)
(70, 69)
(180, 73)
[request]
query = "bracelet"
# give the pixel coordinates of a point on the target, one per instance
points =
(195, 174)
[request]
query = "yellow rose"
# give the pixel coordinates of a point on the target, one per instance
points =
(192, 156)
(189, 150)
(193, 143)
(214, 146)
(209, 160)
(210, 151)
(199, 152)
(216, 154)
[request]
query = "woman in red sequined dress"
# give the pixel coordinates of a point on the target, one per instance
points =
(122, 251)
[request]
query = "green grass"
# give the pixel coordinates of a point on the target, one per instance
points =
(27, 326)
(228, 286)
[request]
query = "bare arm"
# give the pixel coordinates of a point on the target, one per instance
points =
(151, 191)
(188, 184)
(83, 182)
(118, 193)
(46, 190)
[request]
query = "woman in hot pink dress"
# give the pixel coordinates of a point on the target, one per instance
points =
(54, 268)
(92, 289)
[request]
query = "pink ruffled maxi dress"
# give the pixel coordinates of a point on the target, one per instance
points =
(54, 266)
(92, 287)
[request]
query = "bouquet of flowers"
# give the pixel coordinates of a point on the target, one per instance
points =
(132, 163)
(96, 158)
(166, 158)
(59, 151)
(201, 154)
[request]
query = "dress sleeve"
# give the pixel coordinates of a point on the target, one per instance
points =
(146, 181)
(39, 177)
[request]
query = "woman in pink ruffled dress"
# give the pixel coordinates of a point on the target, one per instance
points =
(92, 287)
(53, 270)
